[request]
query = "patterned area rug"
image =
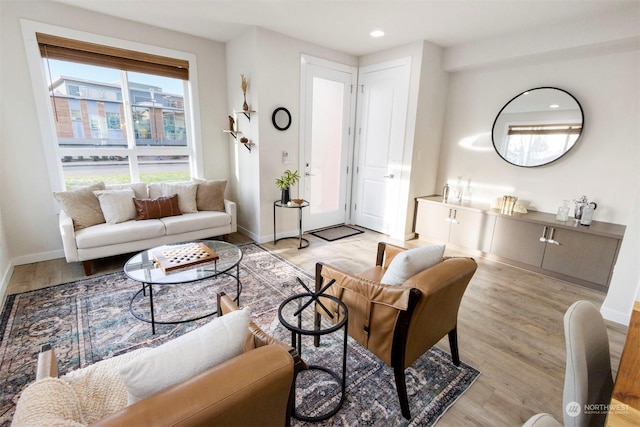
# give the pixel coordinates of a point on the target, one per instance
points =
(336, 233)
(89, 320)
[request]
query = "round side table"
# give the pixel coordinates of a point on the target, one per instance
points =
(297, 314)
(279, 204)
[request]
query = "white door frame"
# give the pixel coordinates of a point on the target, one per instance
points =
(305, 61)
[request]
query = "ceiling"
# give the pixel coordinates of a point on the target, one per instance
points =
(345, 25)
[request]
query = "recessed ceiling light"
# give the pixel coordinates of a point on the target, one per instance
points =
(376, 33)
(554, 106)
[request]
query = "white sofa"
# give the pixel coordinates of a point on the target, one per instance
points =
(108, 239)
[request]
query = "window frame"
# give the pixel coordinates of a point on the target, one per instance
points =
(53, 153)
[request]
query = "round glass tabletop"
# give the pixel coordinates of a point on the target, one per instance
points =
(144, 267)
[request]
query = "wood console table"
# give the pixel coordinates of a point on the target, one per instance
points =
(535, 241)
(625, 403)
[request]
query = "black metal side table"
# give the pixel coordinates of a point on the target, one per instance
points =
(279, 204)
(297, 314)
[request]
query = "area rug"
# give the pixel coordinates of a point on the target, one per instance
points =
(338, 232)
(89, 320)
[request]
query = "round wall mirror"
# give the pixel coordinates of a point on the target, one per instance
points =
(281, 118)
(537, 127)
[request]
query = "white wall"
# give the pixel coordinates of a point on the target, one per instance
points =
(245, 166)
(28, 215)
(274, 63)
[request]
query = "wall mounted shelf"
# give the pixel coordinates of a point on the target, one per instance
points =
(246, 113)
(236, 133)
(233, 133)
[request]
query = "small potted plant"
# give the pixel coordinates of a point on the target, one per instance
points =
(285, 182)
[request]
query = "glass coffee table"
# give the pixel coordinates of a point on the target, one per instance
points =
(144, 268)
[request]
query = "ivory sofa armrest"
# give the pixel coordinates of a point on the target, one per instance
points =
(250, 389)
(231, 208)
(47, 363)
(68, 234)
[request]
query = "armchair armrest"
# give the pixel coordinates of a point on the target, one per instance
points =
(386, 253)
(250, 389)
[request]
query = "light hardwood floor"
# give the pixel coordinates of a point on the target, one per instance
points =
(510, 324)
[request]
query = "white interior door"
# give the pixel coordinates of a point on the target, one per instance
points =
(382, 113)
(328, 92)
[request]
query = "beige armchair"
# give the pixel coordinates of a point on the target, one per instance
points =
(261, 379)
(400, 323)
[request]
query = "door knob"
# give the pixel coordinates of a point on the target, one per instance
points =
(390, 176)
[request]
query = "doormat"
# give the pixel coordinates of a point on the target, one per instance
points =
(336, 233)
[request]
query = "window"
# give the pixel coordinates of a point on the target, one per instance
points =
(120, 115)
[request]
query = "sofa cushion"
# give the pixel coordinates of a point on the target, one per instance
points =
(186, 356)
(186, 192)
(195, 221)
(157, 208)
(117, 205)
(140, 188)
(210, 195)
(409, 263)
(124, 232)
(82, 205)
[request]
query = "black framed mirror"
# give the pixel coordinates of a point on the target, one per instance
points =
(537, 127)
(281, 118)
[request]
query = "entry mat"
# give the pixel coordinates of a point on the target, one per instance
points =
(336, 233)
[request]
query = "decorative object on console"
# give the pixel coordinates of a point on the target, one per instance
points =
(285, 182)
(587, 213)
(445, 193)
(537, 127)
(244, 85)
(563, 211)
(580, 204)
(508, 204)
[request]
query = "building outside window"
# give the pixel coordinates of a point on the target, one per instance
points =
(117, 125)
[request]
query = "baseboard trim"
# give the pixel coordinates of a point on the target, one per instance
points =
(39, 257)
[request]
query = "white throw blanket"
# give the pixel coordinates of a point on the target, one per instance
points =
(78, 398)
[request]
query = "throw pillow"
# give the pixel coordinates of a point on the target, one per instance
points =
(82, 205)
(210, 195)
(186, 194)
(410, 262)
(186, 356)
(117, 205)
(157, 208)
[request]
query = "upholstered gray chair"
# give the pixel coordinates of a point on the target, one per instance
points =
(588, 382)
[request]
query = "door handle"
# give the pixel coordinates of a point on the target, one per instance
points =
(550, 239)
(309, 174)
(390, 176)
(543, 238)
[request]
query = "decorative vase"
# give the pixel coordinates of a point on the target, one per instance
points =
(284, 198)
(245, 106)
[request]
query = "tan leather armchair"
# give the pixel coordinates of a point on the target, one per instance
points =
(253, 388)
(400, 323)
